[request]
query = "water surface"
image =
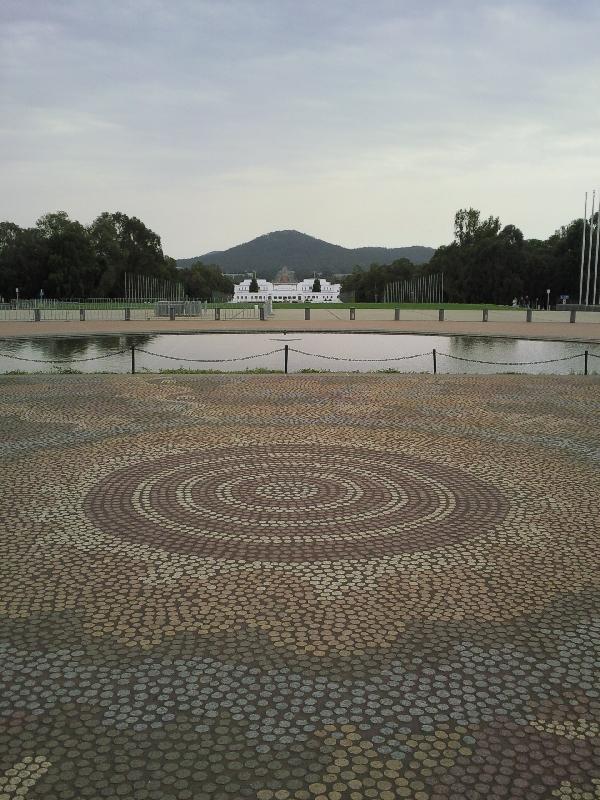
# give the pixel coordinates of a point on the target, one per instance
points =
(345, 352)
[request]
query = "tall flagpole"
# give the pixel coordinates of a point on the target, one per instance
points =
(583, 251)
(596, 256)
(589, 264)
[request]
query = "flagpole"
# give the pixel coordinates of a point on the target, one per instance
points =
(589, 264)
(583, 251)
(597, 245)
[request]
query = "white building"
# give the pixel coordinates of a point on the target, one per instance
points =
(287, 292)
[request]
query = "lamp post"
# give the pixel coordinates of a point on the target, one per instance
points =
(17, 304)
(548, 300)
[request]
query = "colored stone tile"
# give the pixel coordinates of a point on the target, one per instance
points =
(307, 586)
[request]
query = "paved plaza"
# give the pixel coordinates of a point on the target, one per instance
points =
(317, 587)
(328, 320)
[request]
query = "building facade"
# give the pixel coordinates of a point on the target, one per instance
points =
(287, 292)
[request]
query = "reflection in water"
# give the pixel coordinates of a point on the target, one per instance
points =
(64, 348)
(467, 345)
(221, 351)
(481, 349)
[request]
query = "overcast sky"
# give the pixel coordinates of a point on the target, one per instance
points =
(362, 123)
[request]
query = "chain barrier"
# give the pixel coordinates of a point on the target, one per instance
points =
(208, 360)
(62, 360)
(342, 358)
(299, 352)
(509, 363)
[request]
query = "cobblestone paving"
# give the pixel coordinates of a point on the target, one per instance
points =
(332, 587)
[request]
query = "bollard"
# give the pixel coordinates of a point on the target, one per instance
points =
(585, 362)
(352, 313)
(285, 358)
(172, 313)
(434, 362)
(127, 314)
(441, 315)
(37, 316)
(529, 314)
(573, 315)
(484, 315)
(82, 315)
(133, 359)
(307, 313)
(217, 314)
(396, 314)
(261, 313)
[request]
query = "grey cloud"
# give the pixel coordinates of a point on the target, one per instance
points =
(207, 101)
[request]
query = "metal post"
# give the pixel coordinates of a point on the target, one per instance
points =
(396, 314)
(133, 359)
(307, 313)
(596, 256)
(573, 315)
(82, 315)
(434, 362)
(441, 315)
(217, 313)
(484, 315)
(585, 363)
(589, 263)
(127, 314)
(261, 312)
(285, 357)
(352, 313)
(37, 315)
(172, 313)
(583, 250)
(529, 316)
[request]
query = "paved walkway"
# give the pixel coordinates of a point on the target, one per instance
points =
(579, 331)
(322, 587)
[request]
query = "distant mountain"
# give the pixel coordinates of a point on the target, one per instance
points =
(304, 254)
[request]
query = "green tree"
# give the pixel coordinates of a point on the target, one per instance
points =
(23, 259)
(485, 263)
(369, 285)
(63, 258)
(70, 262)
(316, 285)
(468, 226)
(202, 281)
(124, 244)
(253, 285)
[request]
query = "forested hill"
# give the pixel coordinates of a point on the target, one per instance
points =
(304, 254)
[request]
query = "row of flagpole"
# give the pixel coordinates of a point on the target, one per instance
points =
(142, 288)
(424, 289)
(589, 251)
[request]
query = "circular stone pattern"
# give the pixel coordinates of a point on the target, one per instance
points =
(297, 503)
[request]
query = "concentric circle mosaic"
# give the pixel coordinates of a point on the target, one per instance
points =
(297, 503)
(307, 587)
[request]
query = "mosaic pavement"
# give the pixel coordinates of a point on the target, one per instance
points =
(318, 587)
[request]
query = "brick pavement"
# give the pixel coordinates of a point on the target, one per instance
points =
(310, 586)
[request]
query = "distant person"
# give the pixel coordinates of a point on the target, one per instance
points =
(515, 302)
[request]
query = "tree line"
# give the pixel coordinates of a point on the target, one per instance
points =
(61, 258)
(487, 262)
